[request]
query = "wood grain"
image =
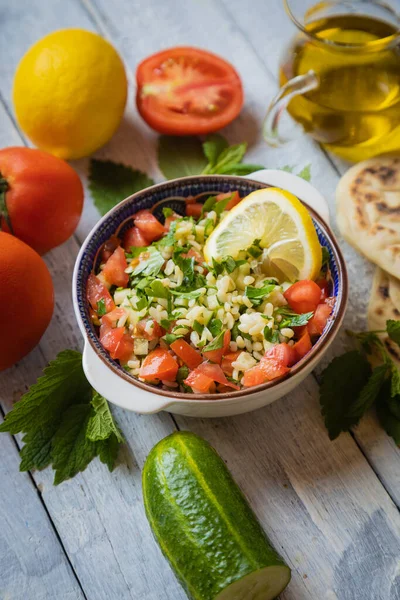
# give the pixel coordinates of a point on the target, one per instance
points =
(322, 503)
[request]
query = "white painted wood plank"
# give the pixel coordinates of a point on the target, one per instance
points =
(98, 515)
(32, 561)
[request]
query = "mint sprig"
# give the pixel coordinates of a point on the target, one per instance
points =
(350, 387)
(65, 425)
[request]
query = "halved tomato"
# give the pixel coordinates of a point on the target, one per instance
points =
(134, 238)
(303, 346)
(189, 355)
(235, 199)
(148, 329)
(303, 296)
(187, 91)
(316, 324)
(216, 355)
(118, 343)
(215, 373)
(114, 269)
(150, 227)
(159, 364)
(199, 382)
(96, 291)
(194, 210)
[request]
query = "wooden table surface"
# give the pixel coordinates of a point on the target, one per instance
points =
(331, 508)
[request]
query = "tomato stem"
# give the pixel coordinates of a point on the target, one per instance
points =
(3, 206)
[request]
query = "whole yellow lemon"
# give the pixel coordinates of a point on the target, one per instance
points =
(70, 92)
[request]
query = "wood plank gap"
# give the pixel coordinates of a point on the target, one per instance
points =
(13, 120)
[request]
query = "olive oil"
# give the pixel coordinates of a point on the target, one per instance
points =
(355, 111)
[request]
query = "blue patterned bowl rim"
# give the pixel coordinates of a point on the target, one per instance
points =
(192, 186)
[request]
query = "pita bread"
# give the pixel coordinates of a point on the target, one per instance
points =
(368, 210)
(384, 304)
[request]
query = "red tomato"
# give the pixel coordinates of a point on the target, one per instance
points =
(187, 91)
(324, 287)
(189, 355)
(190, 200)
(150, 227)
(282, 353)
(114, 269)
(254, 376)
(216, 374)
(118, 343)
(227, 361)
(148, 332)
(192, 253)
(273, 368)
(316, 324)
(234, 200)
(159, 364)
(95, 291)
(113, 317)
(303, 346)
(216, 355)
(169, 220)
(194, 210)
(199, 382)
(109, 247)
(134, 238)
(303, 296)
(43, 200)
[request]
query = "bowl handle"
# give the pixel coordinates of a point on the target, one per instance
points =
(297, 186)
(117, 390)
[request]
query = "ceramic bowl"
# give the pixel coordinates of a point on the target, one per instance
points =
(114, 383)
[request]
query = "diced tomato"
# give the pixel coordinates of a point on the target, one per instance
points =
(190, 200)
(113, 317)
(159, 364)
(227, 360)
(118, 343)
(324, 287)
(192, 253)
(169, 220)
(282, 353)
(189, 355)
(216, 355)
(215, 373)
(235, 199)
(199, 382)
(134, 238)
(150, 227)
(316, 324)
(109, 247)
(194, 210)
(303, 346)
(254, 376)
(148, 332)
(96, 291)
(114, 269)
(303, 296)
(272, 368)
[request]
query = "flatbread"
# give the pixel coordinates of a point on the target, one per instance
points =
(384, 304)
(368, 210)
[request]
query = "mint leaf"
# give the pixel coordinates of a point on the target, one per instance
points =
(240, 169)
(110, 182)
(151, 265)
(292, 319)
(180, 156)
(389, 422)
(395, 381)
(157, 290)
(108, 451)
(215, 326)
(368, 394)
(101, 423)
(231, 155)
(342, 382)
(255, 293)
(217, 343)
(214, 145)
(393, 329)
(305, 173)
(101, 307)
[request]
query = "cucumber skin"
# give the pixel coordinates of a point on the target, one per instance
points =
(205, 552)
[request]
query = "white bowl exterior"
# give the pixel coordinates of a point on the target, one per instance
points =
(131, 397)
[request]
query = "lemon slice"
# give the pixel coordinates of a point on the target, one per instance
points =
(285, 228)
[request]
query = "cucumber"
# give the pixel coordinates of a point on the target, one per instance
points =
(205, 527)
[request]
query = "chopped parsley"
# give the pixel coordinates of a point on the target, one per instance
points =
(101, 307)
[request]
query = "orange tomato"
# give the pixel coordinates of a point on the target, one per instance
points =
(189, 355)
(303, 346)
(44, 197)
(96, 291)
(149, 226)
(159, 364)
(303, 296)
(114, 269)
(216, 355)
(134, 238)
(316, 324)
(26, 299)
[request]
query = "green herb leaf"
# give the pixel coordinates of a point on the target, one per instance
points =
(170, 338)
(393, 329)
(240, 169)
(221, 205)
(271, 335)
(187, 295)
(231, 155)
(101, 307)
(180, 156)
(151, 265)
(157, 290)
(108, 451)
(198, 327)
(342, 382)
(167, 212)
(214, 145)
(110, 182)
(368, 394)
(394, 381)
(217, 343)
(255, 293)
(292, 319)
(169, 239)
(209, 205)
(101, 423)
(183, 372)
(389, 422)
(255, 250)
(325, 256)
(215, 326)
(235, 332)
(136, 251)
(165, 324)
